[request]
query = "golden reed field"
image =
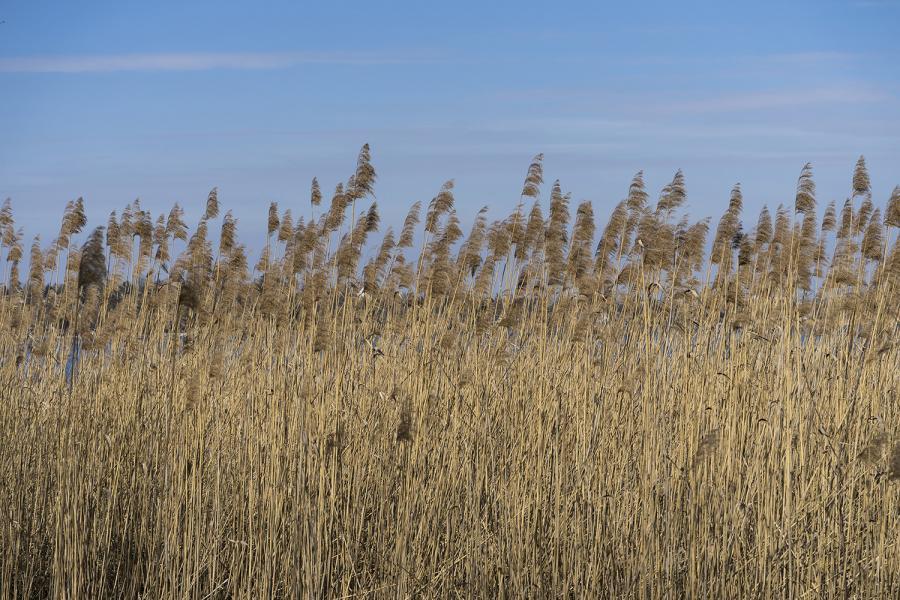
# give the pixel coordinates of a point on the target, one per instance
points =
(536, 408)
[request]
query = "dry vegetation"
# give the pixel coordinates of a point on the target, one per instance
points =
(512, 413)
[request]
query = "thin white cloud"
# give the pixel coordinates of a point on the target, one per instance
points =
(191, 61)
(622, 105)
(642, 128)
(778, 99)
(811, 57)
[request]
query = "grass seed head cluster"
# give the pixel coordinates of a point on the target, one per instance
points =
(659, 407)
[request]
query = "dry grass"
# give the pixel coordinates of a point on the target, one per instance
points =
(509, 415)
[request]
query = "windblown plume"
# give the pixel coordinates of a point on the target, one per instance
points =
(350, 248)
(805, 251)
(862, 215)
(452, 231)
(335, 216)
(175, 226)
(485, 278)
(14, 280)
(36, 268)
(555, 237)
(374, 270)
(516, 224)
(805, 201)
(227, 238)
(693, 243)
(212, 204)
(273, 221)
(112, 230)
(441, 272)
(746, 249)
(236, 271)
(861, 183)
(440, 205)
(315, 197)
(534, 230)
(534, 178)
(286, 229)
(829, 219)
(846, 220)
(672, 196)
(498, 240)
(893, 266)
(892, 213)
(143, 229)
(763, 228)
(160, 240)
(74, 219)
(92, 266)
(190, 294)
(262, 265)
(582, 239)
(873, 238)
(778, 256)
(655, 241)
(637, 195)
(119, 244)
(197, 259)
(469, 258)
(6, 217)
(782, 227)
(13, 240)
(10, 236)
(407, 234)
(126, 223)
(363, 180)
(372, 219)
(728, 227)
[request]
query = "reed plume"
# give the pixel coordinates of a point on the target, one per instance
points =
(829, 219)
(892, 212)
(805, 201)
(315, 197)
(861, 183)
(555, 234)
(212, 205)
(273, 221)
(510, 414)
(92, 264)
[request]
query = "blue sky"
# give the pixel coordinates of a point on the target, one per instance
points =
(164, 100)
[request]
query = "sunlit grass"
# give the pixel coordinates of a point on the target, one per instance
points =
(520, 412)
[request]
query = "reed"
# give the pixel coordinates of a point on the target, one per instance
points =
(526, 411)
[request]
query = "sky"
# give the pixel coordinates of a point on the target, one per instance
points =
(162, 101)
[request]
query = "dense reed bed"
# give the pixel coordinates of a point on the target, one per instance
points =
(529, 410)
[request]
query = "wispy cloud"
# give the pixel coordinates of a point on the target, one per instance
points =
(811, 57)
(643, 128)
(678, 101)
(778, 99)
(193, 61)
(729, 60)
